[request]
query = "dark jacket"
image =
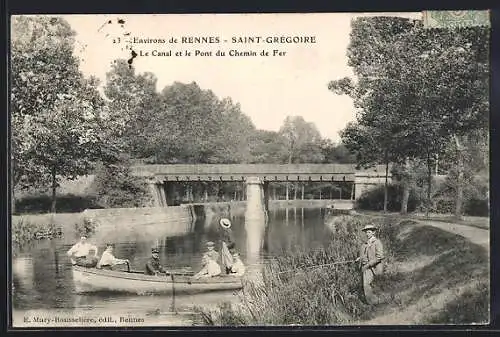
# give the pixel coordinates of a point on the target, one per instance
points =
(153, 266)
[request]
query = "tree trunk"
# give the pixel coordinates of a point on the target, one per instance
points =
(437, 164)
(429, 185)
(406, 188)
(386, 186)
(54, 187)
(13, 191)
(460, 173)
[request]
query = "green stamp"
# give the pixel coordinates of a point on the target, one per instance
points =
(454, 19)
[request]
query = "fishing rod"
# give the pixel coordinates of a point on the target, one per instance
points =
(319, 266)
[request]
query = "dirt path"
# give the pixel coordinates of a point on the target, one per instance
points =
(475, 235)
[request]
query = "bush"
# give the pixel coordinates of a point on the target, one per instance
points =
(114, 186)
(477, 207)
(67, 203)
(373, 199)
(475, 193)
(24, 233)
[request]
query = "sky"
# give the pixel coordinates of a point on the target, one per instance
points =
(268, 88)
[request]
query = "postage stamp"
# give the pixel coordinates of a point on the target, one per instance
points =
(451, 19)
(318, 169)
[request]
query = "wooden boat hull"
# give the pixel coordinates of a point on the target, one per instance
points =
(88, 280)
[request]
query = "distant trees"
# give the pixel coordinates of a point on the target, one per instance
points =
(63, 126)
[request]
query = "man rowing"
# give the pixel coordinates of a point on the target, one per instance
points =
(153, 266)
(371, 256)
(83, 253)
(108, 260)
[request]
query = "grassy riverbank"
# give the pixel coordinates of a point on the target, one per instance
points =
(432, 277)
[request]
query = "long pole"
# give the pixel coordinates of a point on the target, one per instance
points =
(318, 266)
(173, 291)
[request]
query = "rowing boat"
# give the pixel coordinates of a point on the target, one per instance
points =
(88, 280)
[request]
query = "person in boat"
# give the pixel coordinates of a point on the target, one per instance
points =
(211, 252)
(371, 257)
(210, 268)
(227, 245)
(108, 260)
(83, 253)
(153, 266)
(238, 268)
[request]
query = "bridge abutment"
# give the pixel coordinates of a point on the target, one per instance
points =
(365, 181)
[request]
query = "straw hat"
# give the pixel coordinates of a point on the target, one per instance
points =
(155, 250)
(210, 244)
(225, 223)
(369, 227)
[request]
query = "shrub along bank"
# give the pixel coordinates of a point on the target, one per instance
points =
(443, 201)
(432, 276)
(26, 232)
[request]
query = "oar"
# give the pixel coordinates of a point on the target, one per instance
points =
(173, 292)
(318, 266)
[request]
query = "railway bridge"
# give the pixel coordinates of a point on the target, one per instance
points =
(162, 178)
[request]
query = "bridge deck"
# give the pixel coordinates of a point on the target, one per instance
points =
(238, 172)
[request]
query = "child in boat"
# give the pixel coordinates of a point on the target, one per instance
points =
(210, 268)
(211, 252)
(108, 260)
(238, 268)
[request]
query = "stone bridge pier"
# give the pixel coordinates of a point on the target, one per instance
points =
(257, 195)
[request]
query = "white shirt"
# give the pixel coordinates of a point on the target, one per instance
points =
(210, 269)
(107, 259)
(82, 249)
(238, 268)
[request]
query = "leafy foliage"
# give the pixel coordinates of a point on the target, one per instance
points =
(56, 113)
(114, 186)
(416, 89)
(373, 200)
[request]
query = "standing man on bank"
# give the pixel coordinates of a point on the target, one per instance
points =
(371, 257)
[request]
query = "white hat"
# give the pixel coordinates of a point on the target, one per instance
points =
(369, 227)
(225, 223)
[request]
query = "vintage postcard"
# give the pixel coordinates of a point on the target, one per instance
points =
(250, 169)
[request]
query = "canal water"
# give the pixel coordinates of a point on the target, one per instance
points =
(42, 278)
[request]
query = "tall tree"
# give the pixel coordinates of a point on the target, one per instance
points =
(303, 140)
(418, 88)
(134, 108)
(56, 112)
(267, 147)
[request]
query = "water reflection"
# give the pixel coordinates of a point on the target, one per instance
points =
(255, 222)
(43, 280)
